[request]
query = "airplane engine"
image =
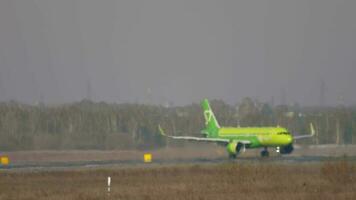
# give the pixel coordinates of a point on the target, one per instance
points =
(287, 149)
(234, 148)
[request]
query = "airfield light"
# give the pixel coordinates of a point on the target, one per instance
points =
(109, 183)
(4, 160)
(147, 157)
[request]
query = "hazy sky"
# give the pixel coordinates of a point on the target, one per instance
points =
(181, 51)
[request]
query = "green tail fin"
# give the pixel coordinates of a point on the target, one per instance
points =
(211, 124)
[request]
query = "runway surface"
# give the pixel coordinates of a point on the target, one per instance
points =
(168, 162)
(188, 155)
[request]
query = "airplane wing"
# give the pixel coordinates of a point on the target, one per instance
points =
(312, 133)
(190, 138)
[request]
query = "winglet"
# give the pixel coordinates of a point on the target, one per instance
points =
(161, 130)
(312, 133)
(312, 130)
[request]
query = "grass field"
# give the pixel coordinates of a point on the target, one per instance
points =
(335, 180)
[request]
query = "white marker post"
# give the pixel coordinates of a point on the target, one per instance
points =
(109, 183)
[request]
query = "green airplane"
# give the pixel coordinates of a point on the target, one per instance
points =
(242, 138)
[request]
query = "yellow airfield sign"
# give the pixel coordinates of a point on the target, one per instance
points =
(4, 160)
(147, 157)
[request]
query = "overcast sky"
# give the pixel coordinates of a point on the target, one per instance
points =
(180, 51)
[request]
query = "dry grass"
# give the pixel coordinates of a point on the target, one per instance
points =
(223, 181)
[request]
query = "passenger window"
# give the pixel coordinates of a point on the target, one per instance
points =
(283, 133)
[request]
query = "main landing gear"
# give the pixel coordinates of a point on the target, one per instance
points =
(264, 152)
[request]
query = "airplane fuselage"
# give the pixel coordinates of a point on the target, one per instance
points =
(257, 136)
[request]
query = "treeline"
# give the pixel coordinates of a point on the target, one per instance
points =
(89, 125)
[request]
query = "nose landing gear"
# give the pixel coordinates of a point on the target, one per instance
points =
(264, 152)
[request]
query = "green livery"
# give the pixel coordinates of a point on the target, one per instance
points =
(241, 138)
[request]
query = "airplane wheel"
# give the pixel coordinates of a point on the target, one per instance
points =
(264, 153)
